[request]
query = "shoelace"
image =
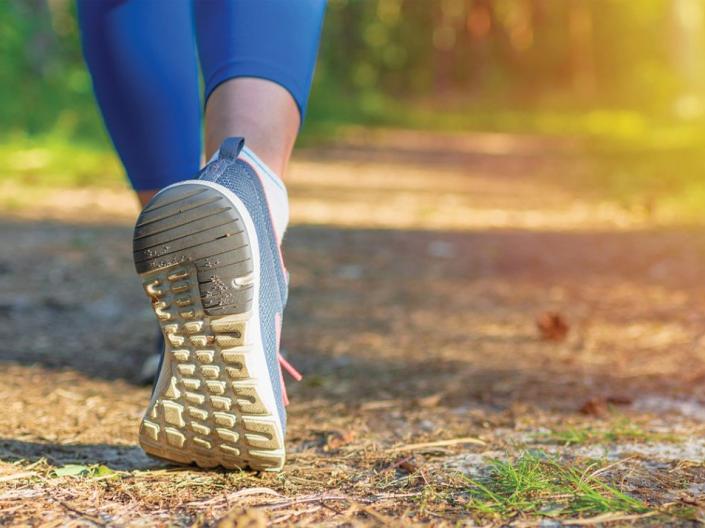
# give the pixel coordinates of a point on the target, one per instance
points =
(292, 372)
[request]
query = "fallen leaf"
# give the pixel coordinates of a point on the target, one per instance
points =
(691, 500)
(619, 399)
(337, 439)
(552, 326)
(409, 466)
(79, 470)
(594, 407)
(407, 463)
(430, 401)
(71, 470)
(599, 405)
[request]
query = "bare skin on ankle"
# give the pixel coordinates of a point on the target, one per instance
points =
(262, 112)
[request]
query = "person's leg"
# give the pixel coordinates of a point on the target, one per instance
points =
(257, 60)
(208, 249)
(142, 59)
(259, 110)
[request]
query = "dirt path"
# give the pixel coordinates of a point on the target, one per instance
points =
(419, 271)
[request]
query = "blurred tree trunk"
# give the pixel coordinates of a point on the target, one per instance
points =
(482, 26)
(686, 28)
(443, 43)
(582, 61)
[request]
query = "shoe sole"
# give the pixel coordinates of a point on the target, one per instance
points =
(196, 251)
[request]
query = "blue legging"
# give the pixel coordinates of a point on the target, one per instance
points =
(142, 58)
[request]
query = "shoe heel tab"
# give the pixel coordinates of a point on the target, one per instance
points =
(231, 148)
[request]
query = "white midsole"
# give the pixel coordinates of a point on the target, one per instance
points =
(257, 363)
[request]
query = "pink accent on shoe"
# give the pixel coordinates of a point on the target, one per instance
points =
(277, 236)
(283, 362)
(290, 368)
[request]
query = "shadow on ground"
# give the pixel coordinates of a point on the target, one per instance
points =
(378, 314)
(116, 457)
(420, 346)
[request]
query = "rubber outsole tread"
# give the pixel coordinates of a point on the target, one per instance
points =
(243, 267)
(191, 234)
(207, 263)
(207, 408)
(227, 265)
(213, 307)
(170, 227)
(149, 221)
(151, 208)
(200, 244)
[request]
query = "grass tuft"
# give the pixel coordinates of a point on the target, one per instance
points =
(536, 484)
(622, 430)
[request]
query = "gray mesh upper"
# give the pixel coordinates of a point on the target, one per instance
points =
(240, 178)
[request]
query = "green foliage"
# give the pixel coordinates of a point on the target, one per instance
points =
(620, 430)
(44, 86)
(536, 484)
(527, 54)
(79, 470)
(54, 161)
(585, 66)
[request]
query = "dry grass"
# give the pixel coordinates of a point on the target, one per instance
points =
(430, 395)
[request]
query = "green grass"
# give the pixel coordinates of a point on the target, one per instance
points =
(55, 162)
(654, 168)
(601, 127)
(620, 430)
(537, 484)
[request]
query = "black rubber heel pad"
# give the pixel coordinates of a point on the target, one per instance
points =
(193, 223)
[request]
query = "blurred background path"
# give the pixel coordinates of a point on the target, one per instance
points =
(498, 290)
(486, 288)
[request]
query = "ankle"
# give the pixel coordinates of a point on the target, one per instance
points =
(261, 111)
(270, 150)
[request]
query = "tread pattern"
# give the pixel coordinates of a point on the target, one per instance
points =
(195, 260)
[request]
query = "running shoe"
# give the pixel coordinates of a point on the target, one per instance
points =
(210, 262)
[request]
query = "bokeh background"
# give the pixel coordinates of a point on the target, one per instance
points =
(497, 243)
(618, 77)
